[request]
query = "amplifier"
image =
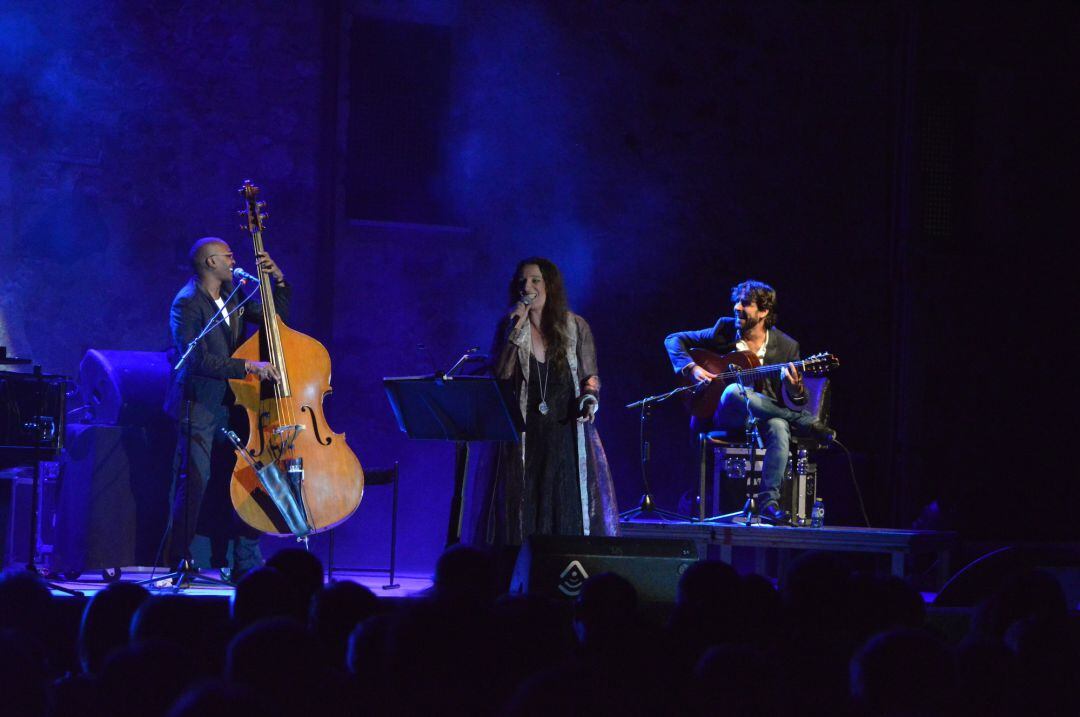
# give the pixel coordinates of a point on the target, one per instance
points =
(730, 464)
(556, 566)
(31, 417)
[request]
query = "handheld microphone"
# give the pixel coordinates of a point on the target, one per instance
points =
(524, 300)
(240, 276)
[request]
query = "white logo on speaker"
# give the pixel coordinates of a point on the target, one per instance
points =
(572, 578)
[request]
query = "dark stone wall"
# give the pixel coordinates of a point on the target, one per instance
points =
(126, 130)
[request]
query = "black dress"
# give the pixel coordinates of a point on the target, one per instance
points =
(551, 501)
(558, 472)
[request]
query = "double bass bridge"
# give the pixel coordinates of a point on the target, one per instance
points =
(286, 436)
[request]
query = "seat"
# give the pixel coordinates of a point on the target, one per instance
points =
(372, 477)
(727, 477)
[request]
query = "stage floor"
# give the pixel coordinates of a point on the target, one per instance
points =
(901, 546)
(410, 585)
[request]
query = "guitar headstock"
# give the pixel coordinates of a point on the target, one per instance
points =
(253, 211)
(820, 363)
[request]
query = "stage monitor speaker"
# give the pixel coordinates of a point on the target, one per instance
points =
(985, 575)
(113, 498)
(123, 388)
(557, 565)
(96, 519)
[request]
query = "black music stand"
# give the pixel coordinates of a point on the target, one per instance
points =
(459, 409)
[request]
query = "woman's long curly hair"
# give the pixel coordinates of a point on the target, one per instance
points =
(556, 306)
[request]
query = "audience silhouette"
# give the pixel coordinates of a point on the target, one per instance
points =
(828, 641)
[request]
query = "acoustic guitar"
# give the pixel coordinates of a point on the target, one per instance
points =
(744, 365)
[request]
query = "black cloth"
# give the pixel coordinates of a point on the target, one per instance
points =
(201, 502)
(721, 339)
(551, 502)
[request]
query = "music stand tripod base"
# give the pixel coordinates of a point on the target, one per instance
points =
(647, 509)
(185, 576)
(746, 516)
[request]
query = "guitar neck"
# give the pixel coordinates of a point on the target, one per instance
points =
(758, 371)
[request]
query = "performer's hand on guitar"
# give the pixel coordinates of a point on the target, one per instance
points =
(700, 375)
(267, 264)
(265, 370)
(791, 374)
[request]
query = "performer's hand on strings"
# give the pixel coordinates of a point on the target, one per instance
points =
(265, 370)
(700, 375)
(267, 264)
(793, 377)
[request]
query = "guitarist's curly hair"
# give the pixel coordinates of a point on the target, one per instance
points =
(757, 292)
(556, 306)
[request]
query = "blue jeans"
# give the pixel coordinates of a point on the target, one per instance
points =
(774, 426)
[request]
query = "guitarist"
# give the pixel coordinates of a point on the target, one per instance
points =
(752, 328)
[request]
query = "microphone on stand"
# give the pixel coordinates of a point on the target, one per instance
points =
(240, 276)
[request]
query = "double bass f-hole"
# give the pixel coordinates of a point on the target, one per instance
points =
(315, 426)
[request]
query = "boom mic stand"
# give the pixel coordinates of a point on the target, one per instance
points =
(647, 507)
(186, 573)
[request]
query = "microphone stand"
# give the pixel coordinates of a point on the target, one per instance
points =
(186, 573)
(647, 507)
(753, 443)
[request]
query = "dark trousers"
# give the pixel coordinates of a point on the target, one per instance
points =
(201, 503)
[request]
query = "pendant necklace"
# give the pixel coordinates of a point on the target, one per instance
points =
(543, 407)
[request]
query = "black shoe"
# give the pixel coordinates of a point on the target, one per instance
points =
(821, 433)
(235, 574)
(773, 513)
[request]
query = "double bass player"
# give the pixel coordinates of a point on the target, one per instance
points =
(200, 400)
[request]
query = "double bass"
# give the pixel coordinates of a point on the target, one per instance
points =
(297, 476)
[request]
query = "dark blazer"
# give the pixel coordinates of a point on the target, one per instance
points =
(210, 365)
(721, 339)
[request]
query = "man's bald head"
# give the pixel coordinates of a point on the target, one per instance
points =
(203, 249)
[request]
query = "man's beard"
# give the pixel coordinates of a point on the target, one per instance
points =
(746, 325)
